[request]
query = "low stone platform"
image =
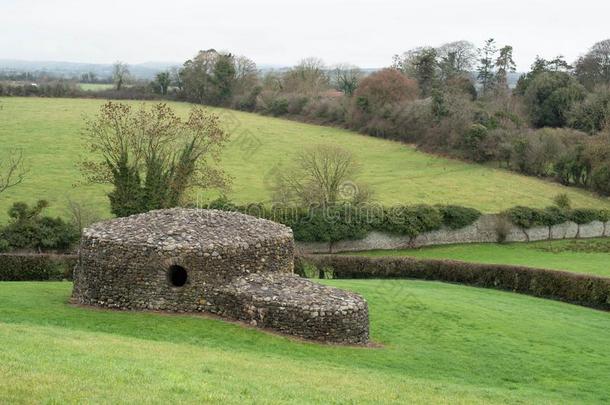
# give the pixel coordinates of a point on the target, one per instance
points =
(230, 264)
(294, 305)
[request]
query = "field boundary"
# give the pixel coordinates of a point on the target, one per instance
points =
(484, 230)
(575, 288)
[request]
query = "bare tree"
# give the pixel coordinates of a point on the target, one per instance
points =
(81, 216)
(120, 74)
(246, 74)
(458, 56)
(309, 77)
(12, 171)
(346, 78)
(322, 175)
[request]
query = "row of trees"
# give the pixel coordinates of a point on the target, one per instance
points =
(455, 99)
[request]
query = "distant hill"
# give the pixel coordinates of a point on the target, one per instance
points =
(146, 70)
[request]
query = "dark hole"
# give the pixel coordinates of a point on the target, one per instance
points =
(177, 276)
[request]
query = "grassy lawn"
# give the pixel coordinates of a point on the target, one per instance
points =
(442, 343)
(582, 256)
(48, 132)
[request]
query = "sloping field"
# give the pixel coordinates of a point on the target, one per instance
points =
(48, 132)
(439, 343)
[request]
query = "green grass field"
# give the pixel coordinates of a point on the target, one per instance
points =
(590, 256)
(441, 343)
(48, 131)
(95, 86)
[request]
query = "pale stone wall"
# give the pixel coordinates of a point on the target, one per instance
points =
(484, 230)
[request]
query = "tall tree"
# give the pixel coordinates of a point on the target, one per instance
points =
(485, 70)
(309, 78)
(246, 75)
(120, 74)
(151, 156)
(505, 65)
(594, 67)
(162, 82)
(456, 58)
(420, 64)
(223, 77)
(346, 78)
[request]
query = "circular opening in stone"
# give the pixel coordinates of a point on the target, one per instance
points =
(177, 275)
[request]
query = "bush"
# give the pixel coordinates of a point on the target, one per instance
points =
(351, 222)
(29, 230)
(586, 215)
(526, 217)
(457, 217)
(36, 267)
(410, 220)
(581, 289)
(278, 106)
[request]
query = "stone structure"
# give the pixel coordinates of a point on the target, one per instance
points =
(484, 230)
(226, 263)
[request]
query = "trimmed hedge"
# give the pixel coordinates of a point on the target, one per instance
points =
(349, 222)
(526, 217)
(581, 289)
(36, 267)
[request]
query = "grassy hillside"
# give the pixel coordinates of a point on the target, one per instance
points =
(441, 343)
(48, 132)
(580, 256)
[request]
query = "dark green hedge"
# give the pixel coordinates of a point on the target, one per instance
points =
(36, 267)
(345, 222)
(590, 291)
(526, 217)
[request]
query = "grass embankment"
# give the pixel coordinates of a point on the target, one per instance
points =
(441, 343)
(47, 130)
(591, 256)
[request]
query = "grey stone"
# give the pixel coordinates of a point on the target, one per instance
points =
(236, 266)
(567, 230)
(593, 229)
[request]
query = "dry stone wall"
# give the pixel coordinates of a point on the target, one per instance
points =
(484, 230)
(226, 263)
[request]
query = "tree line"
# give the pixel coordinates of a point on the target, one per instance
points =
(455, 99)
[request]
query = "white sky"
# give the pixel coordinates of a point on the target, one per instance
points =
(363, 32)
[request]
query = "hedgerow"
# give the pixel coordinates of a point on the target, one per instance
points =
(526, 217)
(349, 222)
(36, 267)
(581, 289)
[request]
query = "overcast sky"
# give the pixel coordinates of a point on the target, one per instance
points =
(366, 33)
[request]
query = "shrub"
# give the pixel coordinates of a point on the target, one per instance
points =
(562, 201)
(36, 267)
(28, 229)
(278, 106)
(581, 289)
(456, 217)
(526, 217)
(600, 179)
(586, 215)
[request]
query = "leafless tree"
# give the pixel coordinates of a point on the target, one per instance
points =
(322, 175)
(460, 55)
(309, 77)
(346, 78)
(81, 216)
(246, 74)
(12, 170)
(120, 74)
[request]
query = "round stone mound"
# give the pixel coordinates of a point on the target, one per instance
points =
(231, 264)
